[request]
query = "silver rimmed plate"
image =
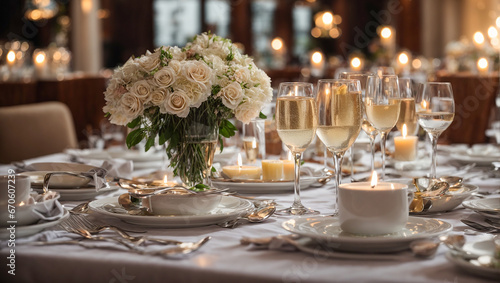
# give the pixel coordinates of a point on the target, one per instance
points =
(28, 230)
(229, 208)
(479, 248)
(84, 193)
(327, 229)
(488, 207)
(262, 187)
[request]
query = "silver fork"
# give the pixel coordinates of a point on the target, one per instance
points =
(80, 221)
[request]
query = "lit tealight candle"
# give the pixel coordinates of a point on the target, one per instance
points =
(405, 146)
(11, 58)
(317, 64)
(242, 171)
(40, 62)
(482, 66)
(164, 183)
(356, 64)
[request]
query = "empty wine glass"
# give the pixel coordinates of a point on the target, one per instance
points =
(296, 122)
(340, 113)
(435, 111)
(382, 107)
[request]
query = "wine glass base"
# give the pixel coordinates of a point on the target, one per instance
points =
(301, 210)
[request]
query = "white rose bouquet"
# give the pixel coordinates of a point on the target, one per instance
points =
(159, 95)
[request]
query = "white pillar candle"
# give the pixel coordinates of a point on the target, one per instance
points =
(288, 170)
(240, 171)
(405, 146)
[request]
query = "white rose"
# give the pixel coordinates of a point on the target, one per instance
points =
(177, 103)
(130, 70)
(142, 90)
(242, 75)
(131, 106)
(164, 77)
(232, 95)
(175, 65)
(150, 61)
(177, 53)
(245, 112)
(197, 72)
(158, 96)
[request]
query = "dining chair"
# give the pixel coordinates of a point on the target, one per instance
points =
(33, 130)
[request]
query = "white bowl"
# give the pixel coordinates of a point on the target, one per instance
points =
(59, 181)
(25, 215)
(182, 204)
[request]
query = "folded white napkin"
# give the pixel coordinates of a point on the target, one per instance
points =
(417, 164)
(50, 214)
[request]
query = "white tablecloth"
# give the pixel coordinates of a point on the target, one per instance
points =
(223, 259)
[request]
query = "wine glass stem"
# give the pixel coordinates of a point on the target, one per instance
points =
(296, 185)
(434, 142)
(372, 147)
(337, 160)
(383, 139)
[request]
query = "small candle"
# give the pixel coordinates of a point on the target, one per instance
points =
(356, 64)
(272, 170)
(317, 64)
(405, 146)
(242, 171)
(288, 168)
(11, 58)
(482, 66)
(40, 63)
(164, 183)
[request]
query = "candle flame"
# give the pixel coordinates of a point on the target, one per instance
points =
(254, 143)
(386, 32)
(478, 37)
(374, 180)
(240, 162)
(404, 131)
(290, 155)
(165, 179)
(392, 186)
(22, 203)
(317, 57)
(356, 62)
(482, 63)
(403, 58)
(11, 56)
(424, 104)
(40, 58)
(277, 43)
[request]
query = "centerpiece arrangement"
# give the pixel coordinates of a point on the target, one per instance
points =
(184, 97)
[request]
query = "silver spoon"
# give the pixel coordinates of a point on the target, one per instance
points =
(256, 216)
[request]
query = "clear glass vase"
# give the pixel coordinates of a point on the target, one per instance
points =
(197, 148)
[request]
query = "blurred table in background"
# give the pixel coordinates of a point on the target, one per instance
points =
(83, 95)
(474, 106)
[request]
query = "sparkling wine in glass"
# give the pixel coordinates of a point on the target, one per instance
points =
(296, 123)
(407, 112)
(366, 126)
(435, 111)
(340, 114)
(382, 102)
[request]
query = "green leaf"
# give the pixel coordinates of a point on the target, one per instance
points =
(216, 89)
(135, 137)
(107, 115)
(213, 169)
(134, 122)
(200, 187)
(150, 142)
(221, 142)
(262, 116)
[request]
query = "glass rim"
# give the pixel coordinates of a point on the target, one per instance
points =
(437, 83)
(338, 81)
(296, 83)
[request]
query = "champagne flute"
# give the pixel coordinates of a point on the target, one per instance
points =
(367, 127)
(407, 114)
(296, 122)
(435, 111)
(340, 114)
(382, 107)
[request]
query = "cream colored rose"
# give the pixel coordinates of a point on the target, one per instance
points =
(150, 61)
(164, 77)
(130, 106)
(142, 90)
(246, 111)
(177, 103)
(130, 70)
(242, 75)
(177, 53)
(159, 95)
(231, 95)
(197, 72)
(175, 65)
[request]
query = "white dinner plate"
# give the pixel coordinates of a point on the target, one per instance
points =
(327, 229)
(483, 160)
(479, 248)
(229, 208)
(127, 154)
(488, 207)
(262, 187)
(28, 230)
(79, 193)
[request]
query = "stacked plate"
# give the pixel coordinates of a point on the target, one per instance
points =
(489, 207)
(140, 158)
